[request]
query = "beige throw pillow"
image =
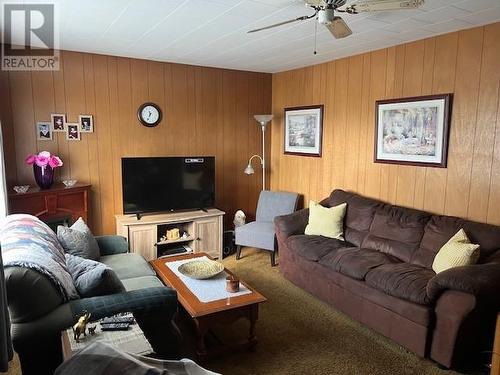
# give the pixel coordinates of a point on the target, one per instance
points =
(458, 251)
(327, 222)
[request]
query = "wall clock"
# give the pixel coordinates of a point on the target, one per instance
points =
(149, 114)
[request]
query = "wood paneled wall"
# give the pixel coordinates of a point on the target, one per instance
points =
(466, 63)
(206, 112)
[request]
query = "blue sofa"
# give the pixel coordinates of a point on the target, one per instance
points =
(39, 314)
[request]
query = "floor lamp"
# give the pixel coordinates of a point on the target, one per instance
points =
(263, 120)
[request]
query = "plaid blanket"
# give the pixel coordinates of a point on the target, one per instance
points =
(28, 242)
(100, 358)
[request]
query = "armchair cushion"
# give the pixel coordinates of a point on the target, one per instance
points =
(141, 282)
(128, 265)
(257, 234)
(110, 245)
(93, 278)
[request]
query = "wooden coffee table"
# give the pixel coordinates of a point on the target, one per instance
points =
(205, 315)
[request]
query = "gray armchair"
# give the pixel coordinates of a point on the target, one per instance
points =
(260, 233)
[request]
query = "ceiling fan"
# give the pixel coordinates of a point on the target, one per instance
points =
(324, 11)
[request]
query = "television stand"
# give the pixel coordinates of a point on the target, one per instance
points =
(203, 230)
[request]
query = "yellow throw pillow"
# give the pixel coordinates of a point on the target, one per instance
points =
(458, 251)
(327, 222)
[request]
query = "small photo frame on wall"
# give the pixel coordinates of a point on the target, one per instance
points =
(413, 131)
(304, 130)
(58, 122)
(86, 123)
(73, 133)
(43, 131)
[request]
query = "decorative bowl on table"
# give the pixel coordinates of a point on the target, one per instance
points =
(21, 189)
(69, 183)
(201, 269)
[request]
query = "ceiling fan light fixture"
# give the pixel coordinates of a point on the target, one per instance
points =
(326, 16)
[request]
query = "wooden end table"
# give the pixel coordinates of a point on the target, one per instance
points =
(206, 314)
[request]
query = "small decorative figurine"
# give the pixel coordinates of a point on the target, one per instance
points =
(239, 219)
(80, 326)
(92, 330)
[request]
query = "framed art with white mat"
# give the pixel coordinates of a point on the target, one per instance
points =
(413, 131)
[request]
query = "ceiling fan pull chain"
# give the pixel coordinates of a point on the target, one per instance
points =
(315, 34)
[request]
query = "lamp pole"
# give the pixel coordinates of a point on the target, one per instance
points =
(263, 126)
(263, 120)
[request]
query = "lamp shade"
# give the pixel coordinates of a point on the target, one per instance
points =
(263, 119)
(249, 169)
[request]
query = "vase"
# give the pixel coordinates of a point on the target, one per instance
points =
(44, 176)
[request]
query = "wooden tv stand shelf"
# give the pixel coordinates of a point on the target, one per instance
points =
(204, 231)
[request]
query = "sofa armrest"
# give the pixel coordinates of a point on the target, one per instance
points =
(480, 280)
(140, 301)
(110, 245)
(294, 223)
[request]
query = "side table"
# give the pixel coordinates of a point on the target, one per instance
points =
(131, 341)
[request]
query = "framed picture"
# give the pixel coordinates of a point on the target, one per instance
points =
(43, 131)
(86, 123)
(58, 122)
(73, 132)
(413, 131)
(304, 130)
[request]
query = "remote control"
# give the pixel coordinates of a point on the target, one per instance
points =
(115, 327)
(118, 319)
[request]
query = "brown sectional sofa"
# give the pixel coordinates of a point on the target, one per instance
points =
(382, 276)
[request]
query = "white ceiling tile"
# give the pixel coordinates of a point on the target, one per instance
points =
(440, 14)
(477, 5)
(405, 25)
(483, 17)
(214, 32)
(450, 25)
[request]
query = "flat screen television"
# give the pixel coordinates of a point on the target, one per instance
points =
(155, 184)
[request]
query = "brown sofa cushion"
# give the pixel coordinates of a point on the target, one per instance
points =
(437, 232)
(402, 280)
(359, 214)
(397, 231)
(314, 247)
(356, 263)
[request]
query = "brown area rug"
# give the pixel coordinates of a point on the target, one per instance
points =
(299, 334)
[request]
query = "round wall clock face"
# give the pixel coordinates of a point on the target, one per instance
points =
(149, 114)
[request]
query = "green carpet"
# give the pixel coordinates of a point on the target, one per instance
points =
(299, 334)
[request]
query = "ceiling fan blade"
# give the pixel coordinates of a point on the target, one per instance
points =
(383, 5)
(315, 3)
(339, 28)
(303, 18)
